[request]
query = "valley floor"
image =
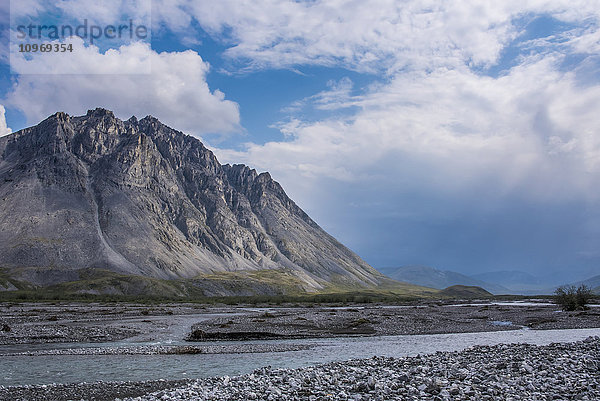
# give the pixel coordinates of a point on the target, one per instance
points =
(497, 372)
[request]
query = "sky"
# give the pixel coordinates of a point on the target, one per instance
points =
(462, 135)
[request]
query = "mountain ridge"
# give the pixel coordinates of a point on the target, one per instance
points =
(592, 283)
(439, 279)
(138, 197)
(518, 282)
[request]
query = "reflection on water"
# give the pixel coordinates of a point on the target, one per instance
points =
(17, 370)
(501, 323)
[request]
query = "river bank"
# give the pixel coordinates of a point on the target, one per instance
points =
(502, 372)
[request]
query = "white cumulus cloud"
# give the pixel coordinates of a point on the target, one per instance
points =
(175, 90)
(367, 35)
(532, 131)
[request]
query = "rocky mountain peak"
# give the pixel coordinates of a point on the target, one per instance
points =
(100, 112)
(140, 198)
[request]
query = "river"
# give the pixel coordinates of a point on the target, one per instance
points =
(22, 370)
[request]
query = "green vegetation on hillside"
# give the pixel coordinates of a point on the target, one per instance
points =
(7, 282)
(254, 287)
(326, 298)
(465, 291)
(230, 287)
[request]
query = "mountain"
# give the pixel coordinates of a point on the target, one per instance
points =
(92, 199)
(517, 281)
(434, 278)
(465, 291)
(592, 282)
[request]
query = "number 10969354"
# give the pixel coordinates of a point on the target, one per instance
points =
(45, 48)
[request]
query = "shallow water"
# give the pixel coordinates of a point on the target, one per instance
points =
(20, 370)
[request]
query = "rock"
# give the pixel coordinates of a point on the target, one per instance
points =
(527, 368)
(432, 389)
(403, 377)
(371, 383)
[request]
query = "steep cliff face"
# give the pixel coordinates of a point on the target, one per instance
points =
(137, 197)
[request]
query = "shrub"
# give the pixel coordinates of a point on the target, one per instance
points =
(571, 298)
(584, 294)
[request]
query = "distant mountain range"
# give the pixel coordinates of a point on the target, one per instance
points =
(498, 282)
(516, 281)
(593, 283)
(89, 202)
(440, 279)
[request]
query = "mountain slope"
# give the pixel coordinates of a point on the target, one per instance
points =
(139, 198)
(434, 278)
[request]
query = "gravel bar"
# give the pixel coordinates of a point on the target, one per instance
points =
(169, 350)
(502, 372)
(377, 320)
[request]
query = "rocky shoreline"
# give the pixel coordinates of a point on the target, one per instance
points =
(503, 372)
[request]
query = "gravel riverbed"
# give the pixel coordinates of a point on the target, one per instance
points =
(98, 391)
(503, 372)
(29, 323)
(168, 350)
(380, 320)
(42, 323)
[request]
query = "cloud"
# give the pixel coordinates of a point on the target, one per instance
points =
(105, 12)
(532, 131)
(4, 130)
(435, 120)
(175, 91)
(391, 36)
(337, 96)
